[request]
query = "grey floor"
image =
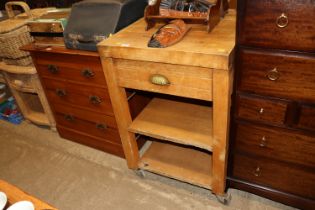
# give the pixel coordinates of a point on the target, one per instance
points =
(71, 176)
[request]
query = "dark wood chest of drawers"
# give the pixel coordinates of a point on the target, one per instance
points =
(76, 89)
(272, 144)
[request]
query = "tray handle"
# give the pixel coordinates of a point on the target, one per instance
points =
(9, 8)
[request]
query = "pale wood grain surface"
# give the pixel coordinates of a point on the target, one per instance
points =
(185, 164)
(198, 48)
(15, 194)
(179, 122)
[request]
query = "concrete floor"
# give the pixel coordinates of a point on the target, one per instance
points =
(71, 176)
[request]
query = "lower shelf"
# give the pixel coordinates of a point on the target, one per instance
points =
(183, 163)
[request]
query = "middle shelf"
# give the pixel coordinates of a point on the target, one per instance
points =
(179, 122)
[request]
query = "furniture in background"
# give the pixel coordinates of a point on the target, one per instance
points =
(15, 194)
(187, 121)
(273, 125)
(77, 92)
(28, 92)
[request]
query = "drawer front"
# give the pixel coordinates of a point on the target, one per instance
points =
(186, 81)
(277, 74)
(307, 117)
(92, 98)
(77, 68)
(91, 141)
(275, 175)
(102, 126)
(261, 109)
(279, 144)
(279, 24)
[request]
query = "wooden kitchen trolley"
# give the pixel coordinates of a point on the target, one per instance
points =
(187, 120)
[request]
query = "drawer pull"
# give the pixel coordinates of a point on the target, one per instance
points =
(257, 171)
(61, 92)
(282, 21)
(158, 79)
(87, 73)
(95, 100)
(53, 69)
(261, 110)
(273, 74)
(263, 142)
(101, 126)
(69, 118)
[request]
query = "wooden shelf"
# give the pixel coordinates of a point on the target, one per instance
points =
(38, 118)
(182, 163)
(179, 122)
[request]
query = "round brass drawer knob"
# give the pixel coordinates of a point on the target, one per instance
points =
(95, 100)
(263, 142)
(282, 21)
(257, 171)
(273, 74)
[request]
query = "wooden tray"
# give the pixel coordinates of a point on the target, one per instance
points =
(211, 18)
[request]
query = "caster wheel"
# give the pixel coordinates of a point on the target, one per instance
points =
(140, 173)
(224, 199)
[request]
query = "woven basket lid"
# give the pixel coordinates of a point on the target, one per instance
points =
(21, 19)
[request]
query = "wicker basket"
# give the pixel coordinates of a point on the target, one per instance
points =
(14, 33)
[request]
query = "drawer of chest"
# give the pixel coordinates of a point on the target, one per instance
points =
(87, 122)
(92, 141)
(277, 74)
(278, 24)
(78, 68)
(279, 144)
(261, 109)
(275, 175)
(95, 99)
(186, 81)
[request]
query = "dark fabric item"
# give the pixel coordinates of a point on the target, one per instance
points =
(91, 21)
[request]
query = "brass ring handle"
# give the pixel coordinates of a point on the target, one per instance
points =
(69, 117)
(282, 21)
(158, 79)
(88, 73)
(257, 171)
(61, 92)
(53, 69)
(273, 74)
(101, 126)
(95, 100)
(263, 142)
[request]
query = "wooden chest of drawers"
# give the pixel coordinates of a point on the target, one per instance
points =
(273, 122)
(76, 89)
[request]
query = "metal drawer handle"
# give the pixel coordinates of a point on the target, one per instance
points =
(53, 69)
(261, 110)
(69, 117)
(95, 99)
(158, 79)
(263, 142)
(257, 171)
(61, 92)
(88, 73)
(282, 21)
(273, 74)
(101, 126)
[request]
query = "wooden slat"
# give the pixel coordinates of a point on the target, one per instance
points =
(185, 164)
(14, 195)
(174, 121)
